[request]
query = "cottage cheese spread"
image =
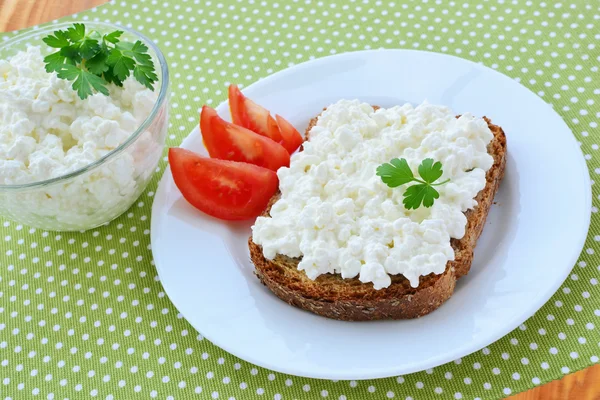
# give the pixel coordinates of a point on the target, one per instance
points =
(47, 131)
(341, 218)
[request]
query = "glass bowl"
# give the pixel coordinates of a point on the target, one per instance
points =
(103, 190)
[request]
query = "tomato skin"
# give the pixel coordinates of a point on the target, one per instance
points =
(291, 137)
(228, 141)
(259, 120)
(248, 114)
(224, 189)
(236, 106)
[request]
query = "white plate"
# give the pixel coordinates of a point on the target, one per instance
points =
(532, 238)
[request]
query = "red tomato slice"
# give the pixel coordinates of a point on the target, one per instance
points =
(227, 190)
(227, 141)
(248, 114)
(236, 106)
(259, 120)
(291, 137)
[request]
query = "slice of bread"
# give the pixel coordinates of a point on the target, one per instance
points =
(349, 299)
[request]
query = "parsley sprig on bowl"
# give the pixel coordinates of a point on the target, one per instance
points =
(92, 60)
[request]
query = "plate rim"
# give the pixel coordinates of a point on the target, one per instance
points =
(448, 356)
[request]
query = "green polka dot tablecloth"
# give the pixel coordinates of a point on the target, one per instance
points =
(83, 315)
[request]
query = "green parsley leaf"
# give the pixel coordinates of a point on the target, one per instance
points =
(136, 50)
(121, 64)
(54, 61)
(124, 45)
(145, 75)
(71, 53)
(59, 40)
(92, 60)
(111, 78)
(97, 65)
(76, 32)
(398, 173)
(113, 37)
(417, 194)
(88, 47)
(429, 171)
(140, 52)
(84, 82)
(68, 72)
(144, 71)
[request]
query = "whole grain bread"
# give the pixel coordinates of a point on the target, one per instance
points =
(351, 300)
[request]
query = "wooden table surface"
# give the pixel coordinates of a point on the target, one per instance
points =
(17, 14)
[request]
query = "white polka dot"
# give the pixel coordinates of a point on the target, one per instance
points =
(545, 365)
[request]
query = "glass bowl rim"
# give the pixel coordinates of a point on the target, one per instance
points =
(23, 37)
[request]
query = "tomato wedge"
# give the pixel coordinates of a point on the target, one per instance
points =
(227, 190)
(227, 141)
(248, 114)
(291, 137)
(260, 121)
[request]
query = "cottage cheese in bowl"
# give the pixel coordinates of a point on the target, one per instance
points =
(47, 131)
(48, 135)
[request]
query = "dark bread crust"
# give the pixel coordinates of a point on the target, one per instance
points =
(349, 299)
